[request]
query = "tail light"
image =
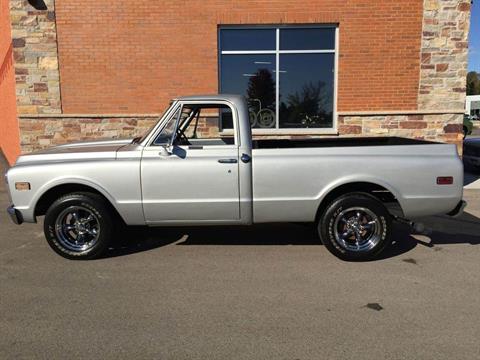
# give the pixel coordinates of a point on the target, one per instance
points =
(445, 180)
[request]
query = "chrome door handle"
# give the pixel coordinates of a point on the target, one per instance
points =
(227, 161)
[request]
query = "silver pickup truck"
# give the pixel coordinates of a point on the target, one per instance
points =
(200, 166)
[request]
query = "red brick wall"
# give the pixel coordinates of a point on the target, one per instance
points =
(9, 137)
(133, 56)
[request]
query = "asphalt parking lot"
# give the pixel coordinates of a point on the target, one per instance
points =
(266, 292)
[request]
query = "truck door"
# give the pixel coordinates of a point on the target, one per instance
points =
(190, 173)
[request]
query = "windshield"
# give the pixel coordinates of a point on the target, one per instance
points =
(140, 139)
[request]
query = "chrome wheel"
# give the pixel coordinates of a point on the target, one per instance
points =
(357, 229)
(77, 228)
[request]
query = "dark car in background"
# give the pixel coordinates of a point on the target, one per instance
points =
(471, 154)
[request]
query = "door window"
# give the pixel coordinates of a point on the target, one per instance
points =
(199, 125)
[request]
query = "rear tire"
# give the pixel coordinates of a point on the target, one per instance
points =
(356, 226)
(79, 226)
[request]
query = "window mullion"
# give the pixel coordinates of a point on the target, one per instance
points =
(312, 51)
(247, 52)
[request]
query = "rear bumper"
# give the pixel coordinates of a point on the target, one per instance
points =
(15, 215)
(458, 209)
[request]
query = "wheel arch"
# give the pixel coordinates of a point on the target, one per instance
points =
(55, 191)
(377, 189)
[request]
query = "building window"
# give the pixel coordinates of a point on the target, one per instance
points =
(287, 74)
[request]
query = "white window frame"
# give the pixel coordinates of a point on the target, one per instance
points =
(277, 52)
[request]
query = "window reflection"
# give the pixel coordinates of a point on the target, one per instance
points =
(247, 39)
(306, 73)
(306, 90)
(254, 77)
(307, 39)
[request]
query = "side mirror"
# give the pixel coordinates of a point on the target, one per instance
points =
(165, 150)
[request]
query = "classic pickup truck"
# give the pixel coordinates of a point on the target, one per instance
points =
(200, 166)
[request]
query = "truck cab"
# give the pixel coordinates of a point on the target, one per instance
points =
(212, 168)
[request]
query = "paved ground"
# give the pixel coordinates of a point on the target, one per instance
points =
(268, 292)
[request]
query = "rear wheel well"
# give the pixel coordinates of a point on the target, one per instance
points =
(47, 199)
(378, 191)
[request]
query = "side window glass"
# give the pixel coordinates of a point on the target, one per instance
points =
(165, 136)
(200, 125)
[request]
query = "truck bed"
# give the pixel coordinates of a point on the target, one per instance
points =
(287, 174)
(336, 142)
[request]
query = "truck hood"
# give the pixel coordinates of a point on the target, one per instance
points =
(91, 150)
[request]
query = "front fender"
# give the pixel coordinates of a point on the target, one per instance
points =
(117, 180)
(28, 210)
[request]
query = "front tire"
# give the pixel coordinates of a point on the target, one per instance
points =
(356, 226)
(79, 226)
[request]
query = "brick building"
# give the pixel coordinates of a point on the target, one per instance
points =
(88, 69)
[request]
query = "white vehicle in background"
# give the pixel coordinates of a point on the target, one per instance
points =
(472, 106)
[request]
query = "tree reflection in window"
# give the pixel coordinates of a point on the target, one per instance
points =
(307, 108)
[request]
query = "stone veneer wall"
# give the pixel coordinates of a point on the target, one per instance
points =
(42, 132)
(434, 127)
(38, 132)
(444, 55)
(34, 38)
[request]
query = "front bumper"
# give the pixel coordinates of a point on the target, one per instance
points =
(15, 215)
(458, 209)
